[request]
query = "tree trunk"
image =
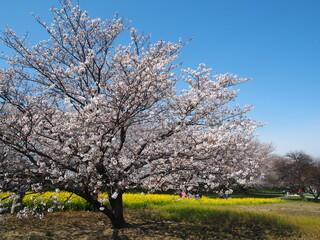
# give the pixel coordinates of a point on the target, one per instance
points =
(17, 203)
(243, 189)
(316, 196)
(303, 197)
(117, 211)
(115, 214)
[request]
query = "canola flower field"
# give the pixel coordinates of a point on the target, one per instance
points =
(70, 202)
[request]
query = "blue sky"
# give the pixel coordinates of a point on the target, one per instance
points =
(274, 42)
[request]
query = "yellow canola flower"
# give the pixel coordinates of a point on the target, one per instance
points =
(237, 201)
(50, 196)
(154, 198)
(142, 200)
(161, 199)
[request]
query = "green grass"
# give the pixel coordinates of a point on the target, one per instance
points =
(308, 227)
(273, 225)
(224, 217)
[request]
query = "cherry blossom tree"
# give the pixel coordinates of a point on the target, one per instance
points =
(264, 157)
(83, 113)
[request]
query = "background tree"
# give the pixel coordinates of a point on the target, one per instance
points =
(292, 172)
(314, 179)
(87, 115)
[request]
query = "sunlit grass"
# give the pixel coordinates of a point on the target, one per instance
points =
(273, 224)
(308, 226)
(225, 218)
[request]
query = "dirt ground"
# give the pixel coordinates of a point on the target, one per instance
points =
(143, 225)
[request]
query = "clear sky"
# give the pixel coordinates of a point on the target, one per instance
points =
(274, 42)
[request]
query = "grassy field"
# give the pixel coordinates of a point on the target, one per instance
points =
(168, 217)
